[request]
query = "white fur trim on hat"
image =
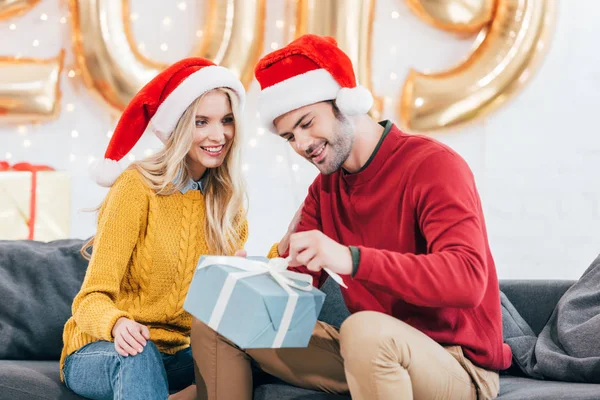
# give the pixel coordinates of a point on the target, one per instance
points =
(172, 108)
(105, 172)
(299, 91)
(309, 88)
(354, 101)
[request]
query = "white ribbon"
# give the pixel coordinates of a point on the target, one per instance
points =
(277, 268)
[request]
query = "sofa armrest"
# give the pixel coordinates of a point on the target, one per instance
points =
(535, 299)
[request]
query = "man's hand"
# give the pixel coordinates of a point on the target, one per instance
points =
(285, 240)
(317, 251)
(130, 337)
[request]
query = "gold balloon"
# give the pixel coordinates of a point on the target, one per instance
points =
(113, 68)
(507, 53)
(30, 89)
(351, 23)
(459, 16)
(12, 8)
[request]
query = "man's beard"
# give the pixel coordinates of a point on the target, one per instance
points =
(338, 149)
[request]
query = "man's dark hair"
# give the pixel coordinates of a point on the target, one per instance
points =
(336, 111)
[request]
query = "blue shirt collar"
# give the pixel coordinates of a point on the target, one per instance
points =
(192, 184)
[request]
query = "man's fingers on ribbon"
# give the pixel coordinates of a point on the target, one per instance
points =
(305, 249)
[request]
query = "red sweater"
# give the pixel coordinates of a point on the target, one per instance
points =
(415, 215)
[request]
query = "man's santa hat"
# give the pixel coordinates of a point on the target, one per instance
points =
(309, 70)
(159, 105)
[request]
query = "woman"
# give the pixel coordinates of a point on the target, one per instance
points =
(128, 337)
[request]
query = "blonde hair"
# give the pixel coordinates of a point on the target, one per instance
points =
(166, 172)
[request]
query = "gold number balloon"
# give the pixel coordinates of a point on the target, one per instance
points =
(29, 89)
(507, 53)
(351, 23)
(458, 16)
(112, 67)
(11, 8)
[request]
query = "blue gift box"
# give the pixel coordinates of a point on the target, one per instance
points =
(252, 309)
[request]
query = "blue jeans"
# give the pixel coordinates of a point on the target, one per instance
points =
(97, 371)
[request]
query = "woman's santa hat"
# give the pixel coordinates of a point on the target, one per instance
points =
(309, 70)
(159, 105)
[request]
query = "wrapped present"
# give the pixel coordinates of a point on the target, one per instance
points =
(254, 302)
(34, 202)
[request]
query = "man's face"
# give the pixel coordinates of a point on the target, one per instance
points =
(316, 134)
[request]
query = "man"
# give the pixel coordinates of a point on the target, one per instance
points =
(399, 217)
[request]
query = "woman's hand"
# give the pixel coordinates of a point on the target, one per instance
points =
(130, 337)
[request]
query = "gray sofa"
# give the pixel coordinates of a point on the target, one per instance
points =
(38, 282)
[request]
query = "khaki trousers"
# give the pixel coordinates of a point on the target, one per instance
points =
(373, 357)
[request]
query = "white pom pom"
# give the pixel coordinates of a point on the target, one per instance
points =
(354, 101)
(105, 172)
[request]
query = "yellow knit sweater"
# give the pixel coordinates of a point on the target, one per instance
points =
(145, 253)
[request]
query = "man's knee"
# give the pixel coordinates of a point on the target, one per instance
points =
(362, 336)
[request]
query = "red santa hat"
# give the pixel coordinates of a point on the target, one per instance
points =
(309, 70)
(159, 105)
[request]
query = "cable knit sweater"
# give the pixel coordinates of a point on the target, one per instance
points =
(145, 253)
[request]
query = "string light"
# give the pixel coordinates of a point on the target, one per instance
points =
(70, 107)
(260, 131)
(18, 55)
(71, 73)
(131, 157)
(63, 20)
(71, 157)
(26, 143)
(8, 155)
(393, 76)
(395, 14)
(134, 17)
(253, 142)
(279, 158)
(199, 33)
(148, 152)
(182, 6)
(74, 133)
(167, 21)
(142, 46)
(274, 46)
(44, 17)
(245, 167)
(36, 43)
(295, 167)
(12, 27)
(91, 159)
(164, 47)
(279, 23)
(419, 101)
(109, 134)
(22, 129)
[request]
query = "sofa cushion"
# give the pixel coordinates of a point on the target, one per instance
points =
(32, 380)
(38, 282)
(518, 388)
(334, 310)
(546, 293)
(281, 391)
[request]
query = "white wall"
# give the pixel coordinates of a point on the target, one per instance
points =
(536, 160)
